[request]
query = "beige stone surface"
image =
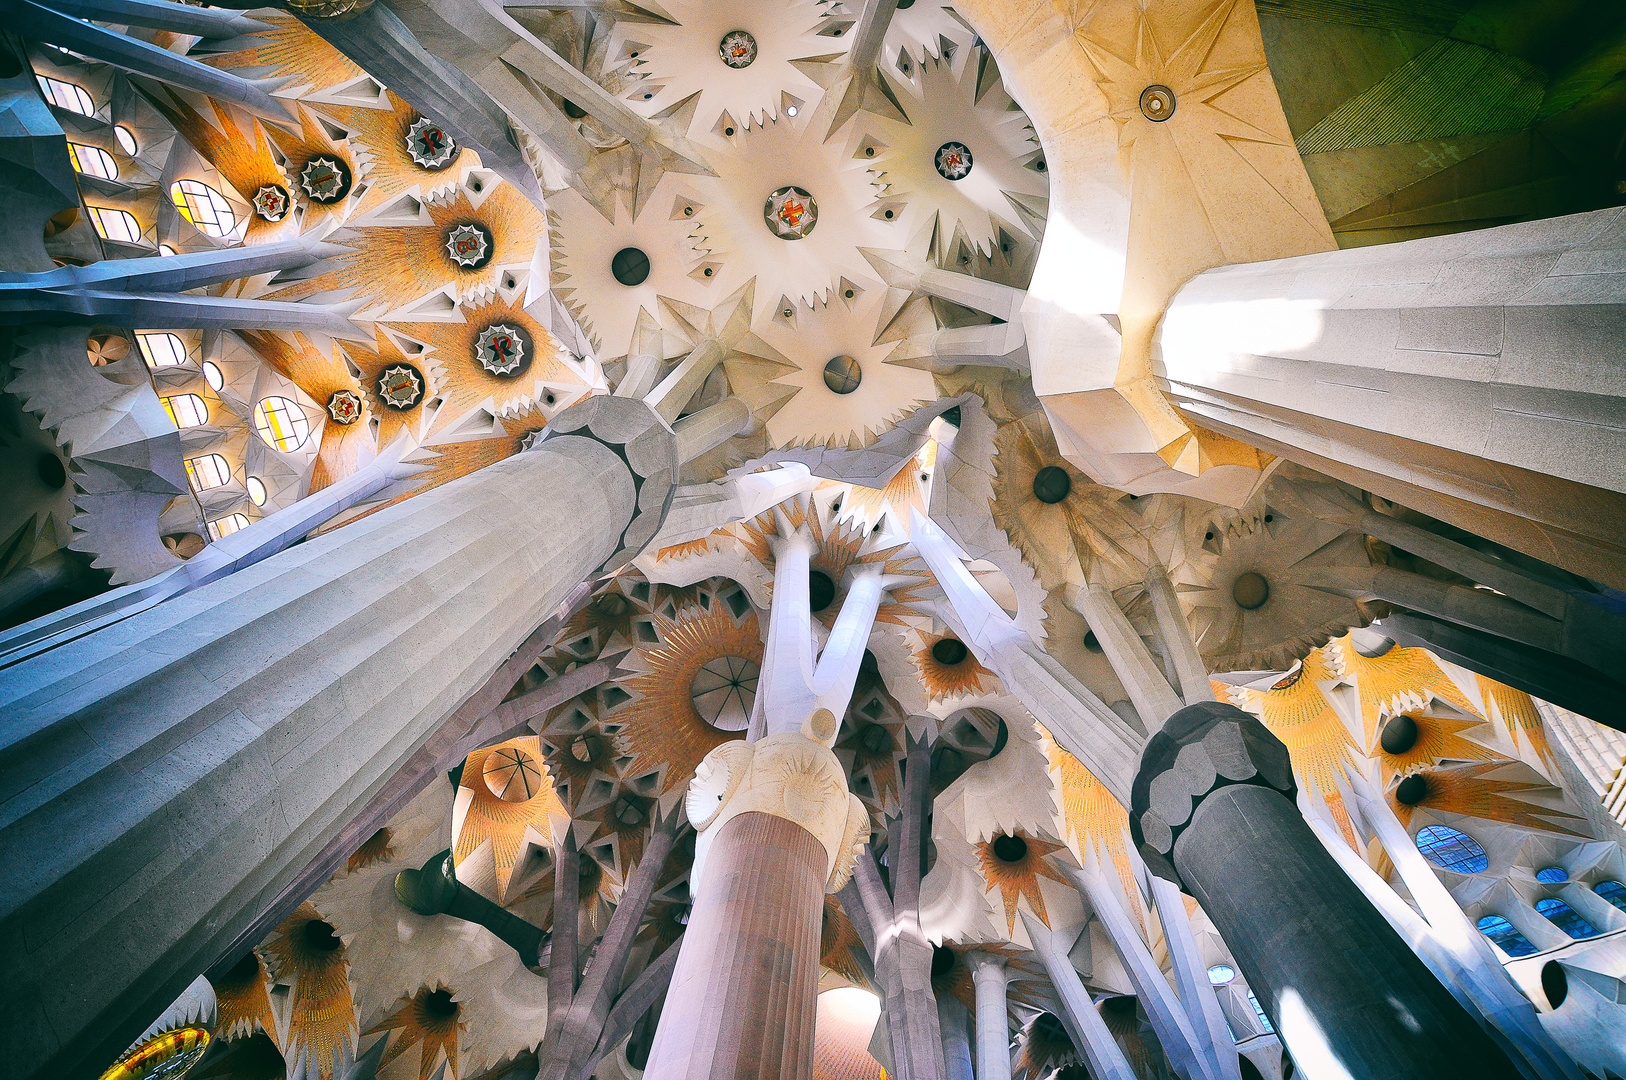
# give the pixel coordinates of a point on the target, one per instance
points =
(1138, 207)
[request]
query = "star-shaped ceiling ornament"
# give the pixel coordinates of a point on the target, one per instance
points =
(469, 246)
(344, 406)
(501, 349)
(428, 144)
(271, 202)
(401, 386)
(791, 213)
(325, 179)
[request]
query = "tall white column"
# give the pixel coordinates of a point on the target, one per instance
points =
(1089, 1032)
(954, 1022)
(989, 977)
(165, 777)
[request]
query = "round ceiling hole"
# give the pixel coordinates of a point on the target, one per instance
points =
(439, 1004)
(842, 374)
(1555, 983)
(630, 266)
(512, 775)
(1250, 591)
(724, 692)
(1412, 790)
(321, 937)
(51, 472)
(821, 591)
(1091, 642)
(1051, 484)
(1157, 103)
(943, 960)
(949, 651)
(1010, 849)
(1399, 735)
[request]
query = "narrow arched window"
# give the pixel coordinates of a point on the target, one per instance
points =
(127, 141)
(187, 410)
(224, 527)
(161, 350)
(212, 376)
(1566, 918)
(114, 224)
(256, 490)
(281, 423)
(1259, 1011)
(1612, 891)
(204, 207)
(93, 161)
(1506, 937)
(1449, 849)
(207, 471)
(65, 95)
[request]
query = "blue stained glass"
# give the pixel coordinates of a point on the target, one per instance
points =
(1566, 918)
(1508, 939)
(1452, 850)
(1259, 1012)
(1612, 891)
(1552, 875)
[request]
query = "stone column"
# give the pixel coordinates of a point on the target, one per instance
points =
(742, 999)
(1473, 377)
(955, 1024)
(993, 1026)
(1212, 808)
(165, 777)
(1079, 1016)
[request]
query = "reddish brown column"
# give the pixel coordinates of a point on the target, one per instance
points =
(742, 1000)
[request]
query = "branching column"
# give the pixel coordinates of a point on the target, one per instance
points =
(165, 777)
(777, 828)
(1212, 808)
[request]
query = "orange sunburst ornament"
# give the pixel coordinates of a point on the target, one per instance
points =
(1014, 863)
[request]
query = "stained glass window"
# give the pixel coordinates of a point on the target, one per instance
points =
(65, 95)
(114, 224)
(224, 527)
(93, 161)
(281, 423)
(207, 471)
(1451, 850)
(187, 410)
(1508, 939)
(161, 350)
(204, 207)
(1612, 891)
(1566, 918)
(1259, 1011)
(1552, 875)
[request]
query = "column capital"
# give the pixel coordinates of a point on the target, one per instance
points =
(644, 442)
(1202, 748)
(787, 776)
(981, 960)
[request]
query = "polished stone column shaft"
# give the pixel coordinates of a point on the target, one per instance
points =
(742, 1000)
(1213, 808)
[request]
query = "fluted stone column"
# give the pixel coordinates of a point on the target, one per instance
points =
(1212, 808)
(743, 997)
(993, 1027)
(1474, 377)
(162, 779)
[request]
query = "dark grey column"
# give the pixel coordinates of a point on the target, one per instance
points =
(163, 779)
(1213, 809)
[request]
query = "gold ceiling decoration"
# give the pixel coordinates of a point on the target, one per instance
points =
(429, 1019)
(1019, 879)
(1519, 716)
(1298, 713)
(963, 678)
(314, 141)
(243, 1000)
(294, 52)
(375, 849)
(394, 173)
(240, 152)
(466, 384)
(837, 940)
(1472, 791)
(1123, 1021)
(1092, 817)
(505, 797)
(1401, 680)
(1046, 533)
(1439, 738)
(660, 729)
(904, 491)
(1045, 1048)
(304, 954)
(838, 548)
(398, 264)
